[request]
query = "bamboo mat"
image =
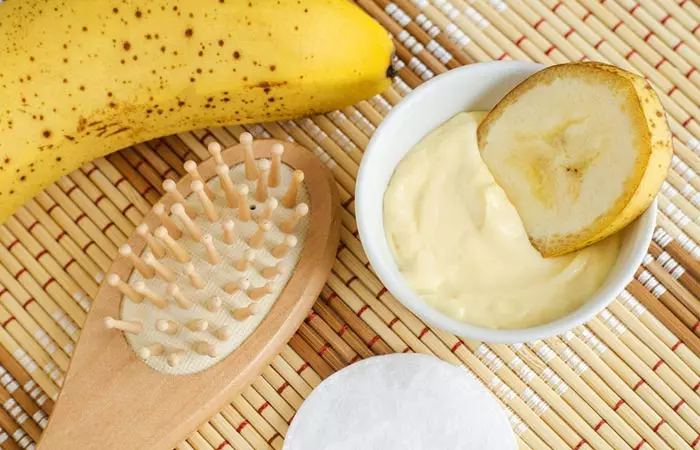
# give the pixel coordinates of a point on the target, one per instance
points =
(625, 380)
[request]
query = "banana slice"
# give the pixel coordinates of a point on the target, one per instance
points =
(581, 150)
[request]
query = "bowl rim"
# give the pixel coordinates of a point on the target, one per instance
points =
(400, 288)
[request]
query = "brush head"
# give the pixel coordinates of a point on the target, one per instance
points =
(194, 282)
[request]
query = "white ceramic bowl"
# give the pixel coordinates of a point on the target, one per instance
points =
(469, 88)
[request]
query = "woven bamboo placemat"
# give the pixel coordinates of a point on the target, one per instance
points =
(623, 381)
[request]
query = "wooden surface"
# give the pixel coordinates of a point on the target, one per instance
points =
(112, 400)
(622, 381)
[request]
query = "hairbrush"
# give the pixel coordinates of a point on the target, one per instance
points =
(217, 277)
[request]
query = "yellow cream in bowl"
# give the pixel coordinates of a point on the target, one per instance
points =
(461, 245)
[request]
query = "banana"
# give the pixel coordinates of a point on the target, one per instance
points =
(82, 78)
(580, 149)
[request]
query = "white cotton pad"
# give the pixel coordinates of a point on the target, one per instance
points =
(400, 402)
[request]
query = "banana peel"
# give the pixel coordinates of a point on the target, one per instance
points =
(83, 78)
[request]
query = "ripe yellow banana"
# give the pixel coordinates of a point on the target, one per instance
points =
(82, 78)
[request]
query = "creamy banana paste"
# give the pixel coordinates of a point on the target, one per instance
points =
(461, 244)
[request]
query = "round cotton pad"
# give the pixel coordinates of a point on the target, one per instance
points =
(400, 402)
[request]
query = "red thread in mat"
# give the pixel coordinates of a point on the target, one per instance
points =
(549, 50)
(50, 280)
(222, 445)
(588, 14)
(581, 442)
(354, 359)
(690, 72)
(629, 55)
(352, 278)
(27, 303)
(640, 445)
(128, 207)
(456, 346)
(521, 39)
(66, 265)
(682, 3)
(40, 254)
(269, 441)
(678, 405)
(20, 272)
(600, 42)
(119, 181)
(31, 227)
(695, 442)
(696, 28)
(675, 346)
(15, 242)
(648, 36)
(282, 387)
(554, 8)
(7, 322)
(323, 349)
(382, 291)
(600, 424)
(89, 172)
(663, 21)
(51, 208)
(636, 386)
(393, 322)
(634, 8)
(658, 364)
(658, 425)
(343, 329)
(100, 198)
(503, 56)
(87, 246)
(618, 404)
(373, 341)
(262, 408)
(658, 64)
(310, 316)
(672, 90)
(302, 368)
(569, 33)
(695, 327)
(80, 217)
(696, 387)
(617, 25)
(240, 427)
(70, 190)
(539, 22)
(675, 47)
(107, 227)
(148, 189)
(362, 310)
(686, 121)
(3, 292)
(423, 332)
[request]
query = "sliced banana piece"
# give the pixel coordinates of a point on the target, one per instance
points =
(581, 150)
